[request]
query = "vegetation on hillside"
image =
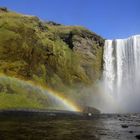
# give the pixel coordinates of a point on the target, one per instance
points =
(48, 53)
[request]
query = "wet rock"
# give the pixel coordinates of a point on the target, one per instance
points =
(90, 110)
(138, 137)
(121, 119)
(124, 126)
(103, 134)
(130, 131)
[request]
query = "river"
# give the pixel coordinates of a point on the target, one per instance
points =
(96, 127)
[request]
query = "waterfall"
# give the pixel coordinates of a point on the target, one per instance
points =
(121, 75)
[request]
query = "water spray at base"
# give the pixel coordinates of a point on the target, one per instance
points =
(121, 78)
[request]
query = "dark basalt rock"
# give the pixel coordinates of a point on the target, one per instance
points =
(53, 23)
(3, 9)
(130, 131)
(138, 137)
(124, 126)
(90, 110)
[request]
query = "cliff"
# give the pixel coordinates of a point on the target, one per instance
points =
(47, 52)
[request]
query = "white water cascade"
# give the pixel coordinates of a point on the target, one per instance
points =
(121, 75)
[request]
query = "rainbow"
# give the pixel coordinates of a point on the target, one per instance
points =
(57, 97)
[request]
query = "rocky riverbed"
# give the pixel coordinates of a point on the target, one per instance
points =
(33, 126)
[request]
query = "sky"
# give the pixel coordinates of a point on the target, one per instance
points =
(109, 18)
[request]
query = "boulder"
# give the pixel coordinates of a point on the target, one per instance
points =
(90, 110)
(3, 9)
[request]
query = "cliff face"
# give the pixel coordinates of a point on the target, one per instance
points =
(47, 52)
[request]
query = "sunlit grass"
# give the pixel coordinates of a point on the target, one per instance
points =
(17, 100)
